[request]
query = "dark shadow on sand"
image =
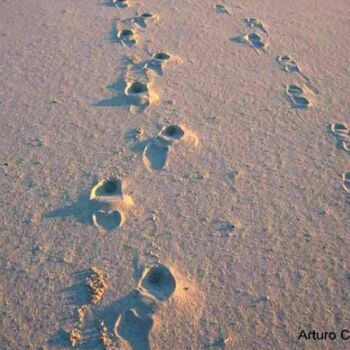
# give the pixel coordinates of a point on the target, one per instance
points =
(134, 312)
(81, 210)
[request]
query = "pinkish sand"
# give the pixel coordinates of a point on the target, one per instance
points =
(243, 203)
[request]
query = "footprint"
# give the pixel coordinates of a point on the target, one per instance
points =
(257, 24)
(144, 19)
(140, 96)
(346, 181)
(340, 129)
(134, 329)
(134, 88)
(110, 192)
(342, 134)
(174, 132)
(156, 151)
(120, 3)
(295, 95)
(127, 37)
(253, 40)
(223, 9)
(256, 41)
(294, 90)
(155, 154)
(158, 282)
(108, 220)
(133, 326)
(161, 59)
(290, 66)
(108, 187)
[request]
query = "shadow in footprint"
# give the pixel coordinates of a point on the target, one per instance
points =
(141, 20)
(121, 4)
(155, 154)
(107, 220)
(134, 329)
(154, 151)
(295, 95)
(252, 40)
(158, 282)
(220, 8)
(342, 136)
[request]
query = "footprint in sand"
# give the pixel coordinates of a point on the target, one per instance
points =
(136, 94)
(158, 61)
(223, 9)
(156, 151)
(296, 96)
(135, 87)
(155, 155)
(289, 65)
(140, 95)
(133, 326)
(120, 3)
(253, 40)
(342, 134)
(126, 323)
(134, 329)
(108, 220)
(127, 36)
(257, 24)
(110, 191)
(142, 20)
(346, 181)
(158, 282)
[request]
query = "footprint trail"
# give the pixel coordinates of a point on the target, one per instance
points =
(289, 65)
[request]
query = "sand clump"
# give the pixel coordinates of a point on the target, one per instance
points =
(75, 337)
(105, 338)
(97, 284)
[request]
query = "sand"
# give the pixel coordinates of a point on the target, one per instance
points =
(244, 200)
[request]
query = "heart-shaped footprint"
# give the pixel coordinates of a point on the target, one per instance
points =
(107, 220)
